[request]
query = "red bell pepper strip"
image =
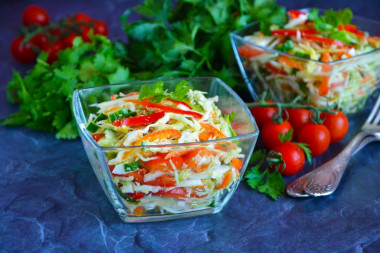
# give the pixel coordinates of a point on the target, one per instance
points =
(136, 195)
(295, 13)
(142, 120)
(97, 137)
(352, 29)
(180, 102)
(175, 193)
(274, 70)
(248, 51)
(324, 40)
(284, 32)
(151, 106)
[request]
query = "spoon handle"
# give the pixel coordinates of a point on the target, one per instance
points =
(325, 179)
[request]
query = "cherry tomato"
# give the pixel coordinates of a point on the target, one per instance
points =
(293, 156)
(85, 33)
(22, 53)
(39, 40)
(317, 136)
(263, 114)
(55, 32)
(68, 40)
(35, 15)
(82, 17)
(337, 125)
(271, 132)
(298, 118)
(53, 49)
(100, 28)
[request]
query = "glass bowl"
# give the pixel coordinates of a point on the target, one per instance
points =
(350, 80)
(170, 202)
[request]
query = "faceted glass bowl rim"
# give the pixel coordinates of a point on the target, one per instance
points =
(237, 34)
(79, 114)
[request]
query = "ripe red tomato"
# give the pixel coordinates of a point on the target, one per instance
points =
(35, 15)
(271, 132)
(100, 28)
(298, 118)
(68, 40)
(82, 17)
(337, 125)
(85, 33)
(22, 53)
(263, 114)
(317, 136)
(39, 40)
(53, 49)
(293, 156)
(55, 32)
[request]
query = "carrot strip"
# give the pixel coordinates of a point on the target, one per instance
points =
(159, 135)
(139, 210)
(236, 163)
(366, 78)
(177, 153)
(113, 109)
(114, 97)
(226, 181)
(290, 63)
(324, 85)
(135, 101)
(215, 131)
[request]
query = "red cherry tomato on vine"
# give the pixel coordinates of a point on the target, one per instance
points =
(100, 28)
(85, 33)
(68, 40)
(52, 50)
(298, 118)
(293, 156)
(82, 17)
(337, 125)
(263, 114)
(39, 40)
(22, 53)
(55, 32)
(35, 15)
(317, 136)
(270, 134)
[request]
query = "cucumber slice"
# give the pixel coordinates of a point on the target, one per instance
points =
(92, 127)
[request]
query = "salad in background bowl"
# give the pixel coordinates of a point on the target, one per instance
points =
(166, 149)
(324, 58)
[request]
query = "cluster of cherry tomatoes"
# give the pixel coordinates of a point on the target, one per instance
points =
(39, 34)
(316, 134)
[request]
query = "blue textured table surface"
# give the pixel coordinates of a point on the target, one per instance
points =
(50, 200)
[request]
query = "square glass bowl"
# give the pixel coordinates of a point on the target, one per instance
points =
(350, 81)
(173, 204)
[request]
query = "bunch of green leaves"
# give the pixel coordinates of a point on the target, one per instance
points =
(329, 22)
(192, 37)
(157, 93)
(263, 180)
(45, 93)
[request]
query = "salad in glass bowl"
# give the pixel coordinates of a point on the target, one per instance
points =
(166, 149)
(322, 58)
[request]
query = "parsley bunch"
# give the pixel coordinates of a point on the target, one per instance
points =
(191, 38)
(45, 93)
(270, 183)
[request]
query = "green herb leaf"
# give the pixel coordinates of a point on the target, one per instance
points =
(274, 185)
(288, 45)
(129, 167)
(306, 150)
(286, 137)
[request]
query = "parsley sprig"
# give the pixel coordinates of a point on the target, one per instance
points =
(157, 92)
(45, 93)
